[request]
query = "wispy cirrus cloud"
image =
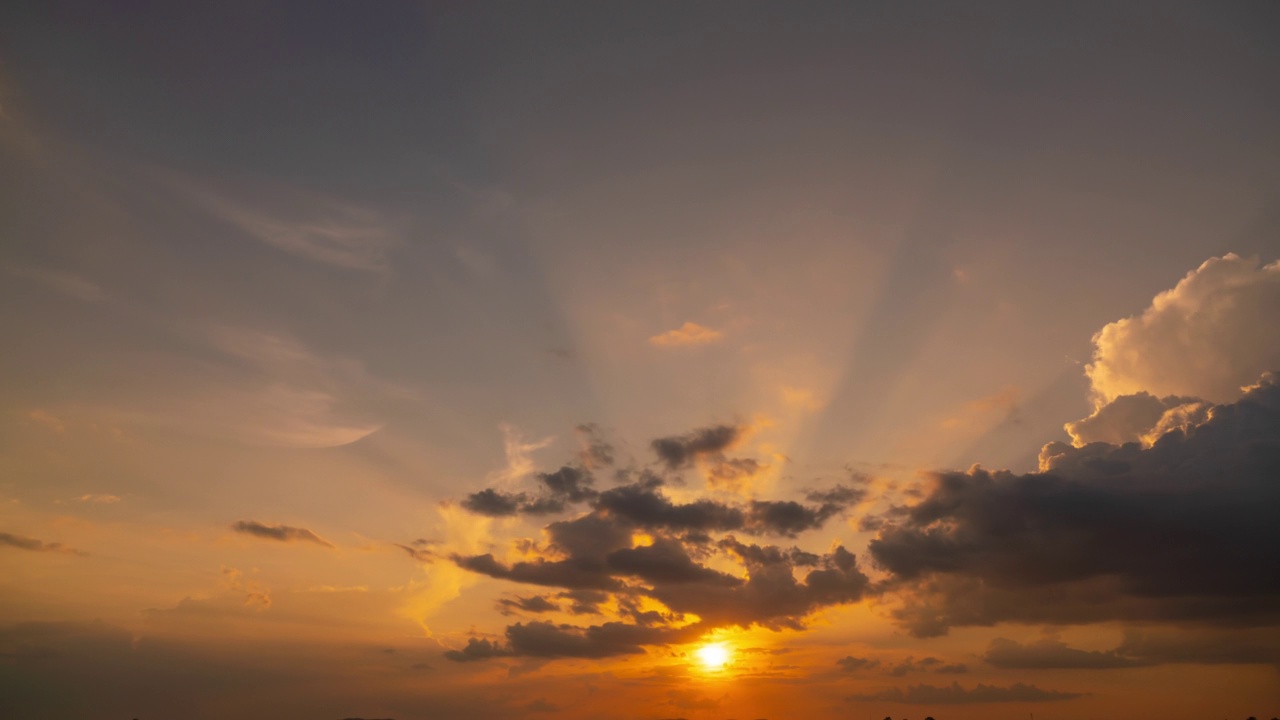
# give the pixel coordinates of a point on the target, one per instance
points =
(309, 225)
(64, 282)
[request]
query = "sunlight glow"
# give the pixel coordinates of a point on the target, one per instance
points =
(714, 656)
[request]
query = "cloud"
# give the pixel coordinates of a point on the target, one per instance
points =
(734, 474)
(1212, 334)
(1180, 531)
(420, 549)
(282, 533)
(547, 640)
(769, 596)
(576, 573)
(955, 694)
(66, 283)
(1140, 417)
(23, 542)
(564, 487)
(691, 333)
(491, 503)
(99, 498)
(540, 705)
(1051, 654)
(1213, 645)
(476, 649)
(645, 506)
(637, 546)
(665, 562)
(850, 663)
(535, 604)
(262, 388)
(680, 451)
(584, 602)
(320, 229)
(596, 451)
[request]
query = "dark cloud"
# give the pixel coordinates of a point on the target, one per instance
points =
(594, 559)
(282, 533)
(665, 562)
(1052, 654)
(955, 694)
(491, 503)
(570, 573)
(590, 536)
(560, 489)
(584, 602)
(1203, 645)
(540, 705)
(769, 554)
(850, 663)
(646, 506)
(568, 484)
(1183, 530)
(420, 549)
(733, 473)
(28, 543)
(596, 451)
(679, 451)
(771, 596)
(928, 664)
(840, 495)
(534, 604)
(547, 640)
(477, 649)
(787, 517)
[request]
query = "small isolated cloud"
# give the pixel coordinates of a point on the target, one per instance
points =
(420, 549)
(691, 333)
(282, 533)
(23, 542)
(534, 604)
(955, 694)
(99, 498)
(681, 450)
(1209, 336)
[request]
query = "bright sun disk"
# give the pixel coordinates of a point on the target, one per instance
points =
(714, 656)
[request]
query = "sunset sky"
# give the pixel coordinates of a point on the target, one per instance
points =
(639, 360)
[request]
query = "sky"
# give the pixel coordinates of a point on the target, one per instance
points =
(639, 360)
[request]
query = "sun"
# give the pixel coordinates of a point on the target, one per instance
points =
(713, 656)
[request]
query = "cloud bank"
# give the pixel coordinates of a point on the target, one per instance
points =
(1205, 338)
